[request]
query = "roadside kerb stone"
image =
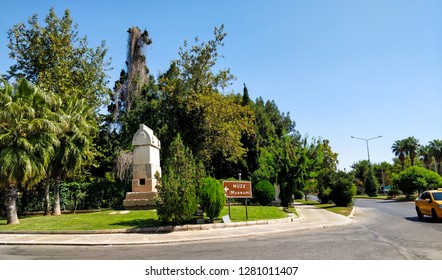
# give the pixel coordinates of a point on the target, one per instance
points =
(164, 229)
(188, 233)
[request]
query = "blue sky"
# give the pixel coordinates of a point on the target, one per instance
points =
(340, 68)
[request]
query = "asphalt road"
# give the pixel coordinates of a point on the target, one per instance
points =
(385, 230)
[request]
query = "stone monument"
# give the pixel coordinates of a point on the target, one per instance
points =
(146, 164)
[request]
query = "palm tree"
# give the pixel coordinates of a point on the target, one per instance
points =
(436, 152)
(425, 154)
(76, 144)
(28, 136)
(399, 150)
(411, 147)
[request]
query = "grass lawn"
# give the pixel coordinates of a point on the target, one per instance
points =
(85, 221)
(238, 213)
(330, 207)
(134, 219)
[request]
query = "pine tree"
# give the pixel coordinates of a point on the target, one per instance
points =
(371, 185)
(177, 200)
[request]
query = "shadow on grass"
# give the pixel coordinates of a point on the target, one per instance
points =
(139, 223)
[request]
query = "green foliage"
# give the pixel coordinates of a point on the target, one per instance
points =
(342, 189)
(360, 172)
(411, 148)
(212, 124)
(371, 185)
(324, 163)
(298, 194)
(426, 155)
(28, 138)
(326, 195)
(267, 167)
(55, 58)
(263, 192)
(76, 149)
(384, 173)
(399, 149)
(211, 197)
(28, 133)
(177, 200)
(417, 179)
(394, 192)
(435, 147)
(227, 132)
(101, 193)
(294, 163)
(106, 194)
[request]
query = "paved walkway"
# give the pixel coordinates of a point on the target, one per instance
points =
(309, 218)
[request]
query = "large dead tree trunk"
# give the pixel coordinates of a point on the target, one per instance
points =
(137, 71)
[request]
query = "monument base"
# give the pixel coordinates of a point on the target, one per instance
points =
(140, 200)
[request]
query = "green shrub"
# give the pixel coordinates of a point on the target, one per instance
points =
(324, 196)
(212, 197)
(371, 185)
(98, 194)
(298, 194)
(342, 189)
(418, 179)
(264, 192)
(177, 201)
(393, 192)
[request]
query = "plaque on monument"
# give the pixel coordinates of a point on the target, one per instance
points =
(146, 164)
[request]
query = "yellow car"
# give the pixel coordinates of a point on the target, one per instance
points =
(430, 204)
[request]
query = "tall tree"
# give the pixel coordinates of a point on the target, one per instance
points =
(399, 149)
(371, 185)
(325, 163)
(426, 156)
(210, 122)
(55, 58)
(384, 173)
(264, 128)
(281, 121)
(245, 97)
(360, 172)
(28, 137)
(136, 74)
(293, 166)
(436, 151)
(177, 190)
(76, 148)
(411, 148)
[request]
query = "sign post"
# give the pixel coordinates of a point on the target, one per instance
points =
(238, 189)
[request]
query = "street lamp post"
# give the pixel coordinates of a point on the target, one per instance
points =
(366, 141)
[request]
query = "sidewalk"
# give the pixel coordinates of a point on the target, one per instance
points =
(309, 218)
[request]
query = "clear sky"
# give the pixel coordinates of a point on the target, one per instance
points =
(340, 68)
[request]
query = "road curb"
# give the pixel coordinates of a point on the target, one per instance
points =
(352, 213)
(164, 229)
(170, 241)
(169, 234)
